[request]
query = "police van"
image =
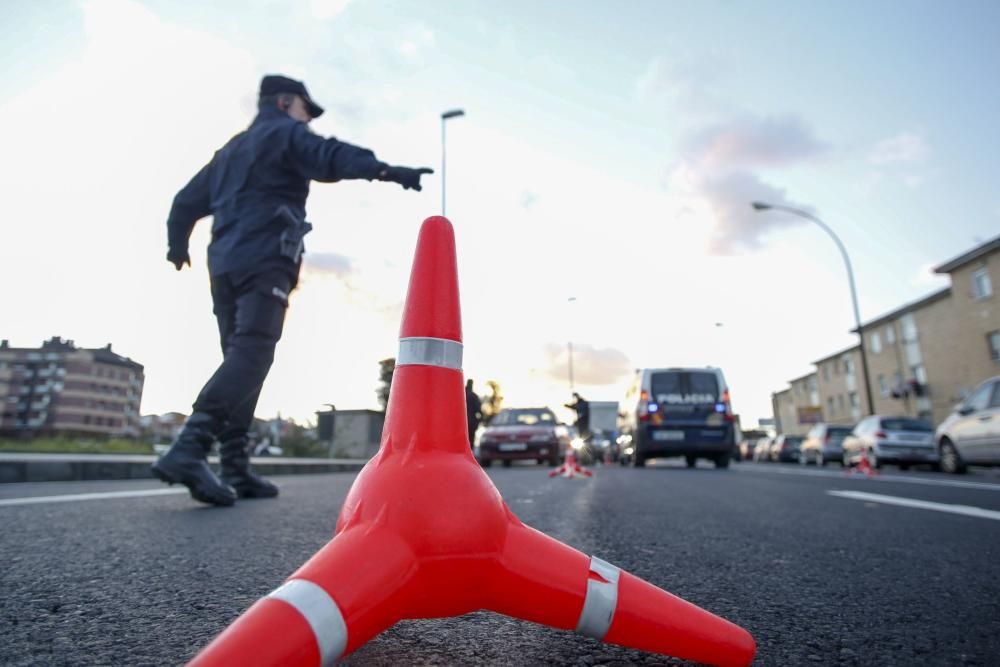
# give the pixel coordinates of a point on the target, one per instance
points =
(676, 412)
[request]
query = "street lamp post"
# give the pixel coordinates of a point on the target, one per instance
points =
(454, 113)
(761, 206)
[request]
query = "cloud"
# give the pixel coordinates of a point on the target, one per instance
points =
(591, 365)
(737, 225)
(754, 142)
(689, 85)
(904, 147)
(328, 263)
(325, 10)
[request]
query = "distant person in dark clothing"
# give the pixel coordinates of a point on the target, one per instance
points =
(582, 409)
(473, 411)
(255, 187)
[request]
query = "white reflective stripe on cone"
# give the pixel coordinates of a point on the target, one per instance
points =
(430, 352)
(322, 613)
(602, 598)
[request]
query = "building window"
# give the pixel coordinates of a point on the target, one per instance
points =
(883, 386)
(981, 286)
(993, 338)
(909, 328)
(853, 397)
(876, 343)
(826, 373)
(890, 334)
(919, 374)
(829, 405)
(840, 402)
(848, 367)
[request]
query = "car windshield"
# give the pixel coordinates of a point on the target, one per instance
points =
(528, 417)
(838, 431)
(793, 440)
(685, 387)
(903, 424)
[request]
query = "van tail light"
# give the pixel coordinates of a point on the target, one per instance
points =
(730, 417)
(644, 406)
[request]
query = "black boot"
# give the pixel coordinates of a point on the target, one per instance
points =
(186, 462)
(236, 470)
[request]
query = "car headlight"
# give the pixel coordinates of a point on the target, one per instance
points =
(576, 443)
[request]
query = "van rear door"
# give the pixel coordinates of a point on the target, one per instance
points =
(687, 397)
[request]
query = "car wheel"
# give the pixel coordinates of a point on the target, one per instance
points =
(638, 461)
(691, 461)
(722, 462)
(508, 463)
(486, 463)
(820, 461)
(803, 460)
(951, 462)
(904, 466)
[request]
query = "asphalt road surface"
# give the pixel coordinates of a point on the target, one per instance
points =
(908, 573)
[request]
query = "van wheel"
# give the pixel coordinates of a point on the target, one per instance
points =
(691, 461)
(950, 459)
(507, 463)
(722, 462)
(638, 461)
(486, 463)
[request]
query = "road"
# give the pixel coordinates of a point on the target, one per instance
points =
(120, 577)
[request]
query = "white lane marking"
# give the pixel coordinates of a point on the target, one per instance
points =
(774, 468)
(74, 497)
(966, 510)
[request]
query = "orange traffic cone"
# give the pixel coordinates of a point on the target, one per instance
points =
(865, 466)
(569, 467)
(424, 533)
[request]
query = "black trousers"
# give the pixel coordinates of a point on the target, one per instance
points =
(250, 308)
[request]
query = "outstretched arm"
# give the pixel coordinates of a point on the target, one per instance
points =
(330, 160)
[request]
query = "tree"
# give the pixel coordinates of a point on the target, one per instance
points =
(386, 368)
(492, 402)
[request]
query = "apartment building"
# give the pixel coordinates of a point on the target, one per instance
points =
(842, 392)
(797, 408)
(923, 357)
(974, 277)
(59, 388)
(911, 358)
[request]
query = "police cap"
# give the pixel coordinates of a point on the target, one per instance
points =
(273, 84)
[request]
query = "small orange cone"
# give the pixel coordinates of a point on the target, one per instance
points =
(863, 467)
(569, 467)
(424, 533)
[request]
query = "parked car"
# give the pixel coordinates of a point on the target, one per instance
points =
(824, 443)
(971, 434)
(746, 448)
(762, 450)
(786, 448)
(523, 433)
(677, 412)
(883, 439)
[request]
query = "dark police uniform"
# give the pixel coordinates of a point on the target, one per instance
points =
(256, 187)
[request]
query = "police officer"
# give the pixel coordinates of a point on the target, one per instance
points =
(255, 187)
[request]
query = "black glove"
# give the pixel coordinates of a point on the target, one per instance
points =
(405, 176)
(178, 258)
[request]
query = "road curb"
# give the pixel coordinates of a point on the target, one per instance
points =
(16, 468)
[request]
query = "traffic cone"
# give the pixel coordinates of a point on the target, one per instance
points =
(865, 466)
(569, 467)
(424, 533)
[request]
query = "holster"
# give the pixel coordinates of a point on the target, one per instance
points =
(292, 243)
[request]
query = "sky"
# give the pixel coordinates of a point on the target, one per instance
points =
(599, 183)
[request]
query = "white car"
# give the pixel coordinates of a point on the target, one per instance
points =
(971, 434)
(882, 439)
